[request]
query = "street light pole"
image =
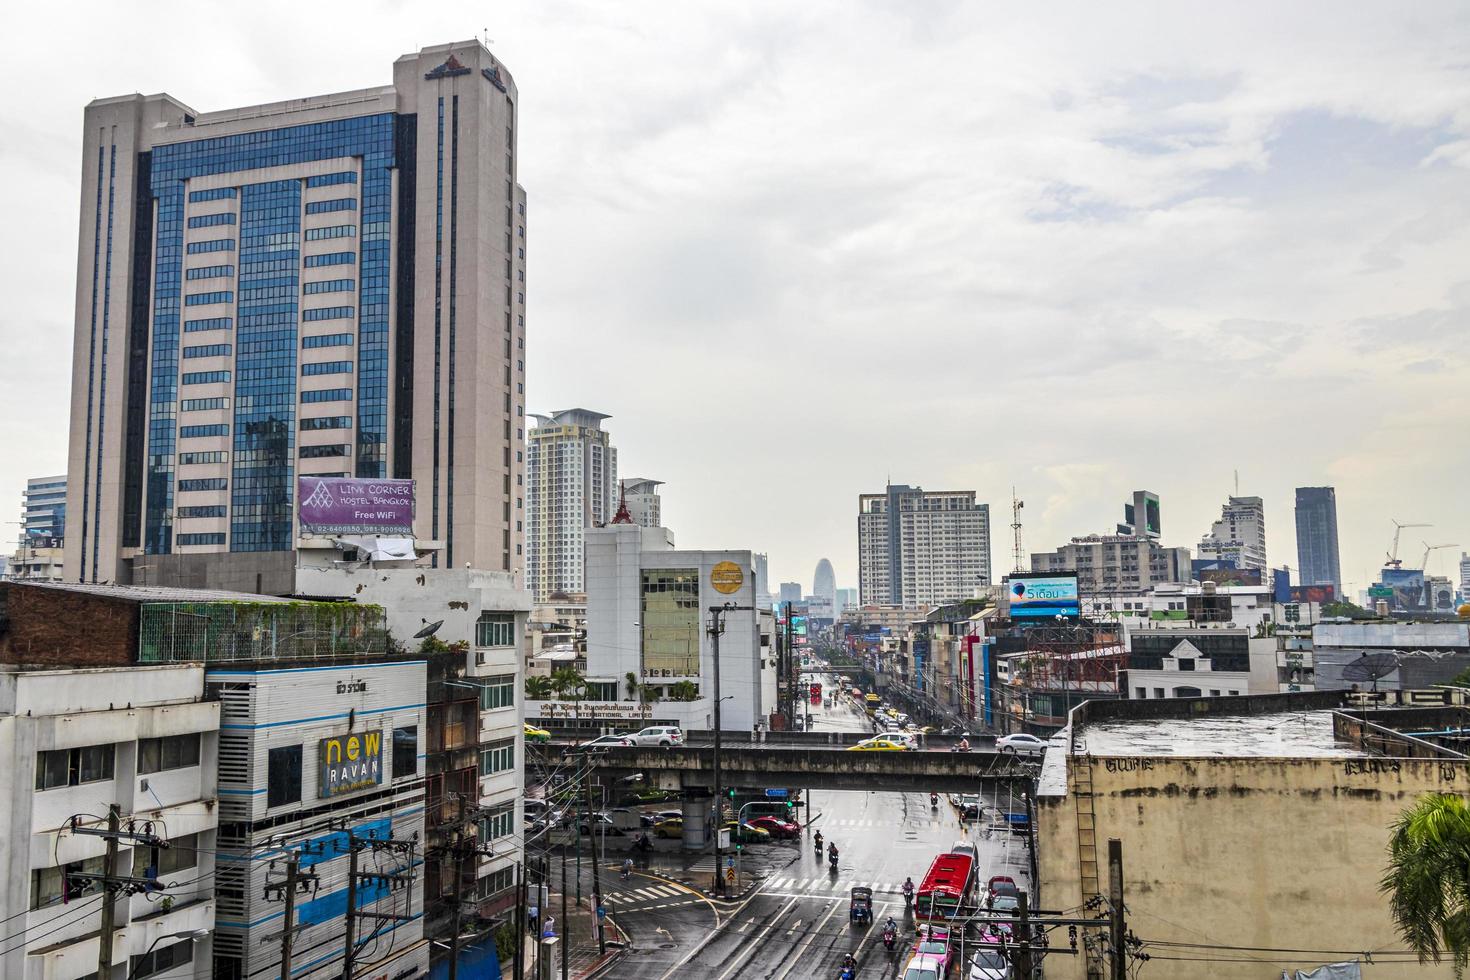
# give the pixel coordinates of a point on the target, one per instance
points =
(717, 627)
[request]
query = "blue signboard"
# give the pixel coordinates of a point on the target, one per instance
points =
(1043, 596)
(777, 794)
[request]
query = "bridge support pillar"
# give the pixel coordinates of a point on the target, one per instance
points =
(696, 815)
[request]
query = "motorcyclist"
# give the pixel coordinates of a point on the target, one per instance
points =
(933, 800)
(817, 841)
(849, 962)
(627, 868)
(908, 890)
(964, 744)
(832, 851)
(642, 843)
(891, 925)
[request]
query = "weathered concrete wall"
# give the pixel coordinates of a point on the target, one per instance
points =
(64, 628)
(1276, 853)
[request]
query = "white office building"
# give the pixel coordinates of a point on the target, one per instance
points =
(644, 506)
(647, 611)
(572, 485)
(309, 756)
(1239, 536)
(76, 741)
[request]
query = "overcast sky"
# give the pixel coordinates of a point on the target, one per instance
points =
(797, 249)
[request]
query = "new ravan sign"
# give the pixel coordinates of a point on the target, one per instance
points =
(351, 762)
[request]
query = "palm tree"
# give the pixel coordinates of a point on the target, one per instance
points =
(683, 691)
(631, 680)
(568, 683)
(538, 688)
(1428, 878)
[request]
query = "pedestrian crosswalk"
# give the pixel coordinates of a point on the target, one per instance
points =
(824, 824)
(651, 894)
(826, 884)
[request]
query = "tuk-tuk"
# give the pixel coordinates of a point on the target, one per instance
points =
(860, 910)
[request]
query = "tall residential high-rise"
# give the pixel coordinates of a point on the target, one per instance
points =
(921, 549)
(824, 585)
(327, 285)
(39, 550)
(846, 599)
(572, 477)
(644, 505)
(1316, 537)
(790, 592)
(1464, 577)
(1239, 536)
(760, 567)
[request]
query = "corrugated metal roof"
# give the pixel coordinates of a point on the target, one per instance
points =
(153, 593)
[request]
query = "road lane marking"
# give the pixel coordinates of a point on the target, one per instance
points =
(749, 947)
(794, 926)
(809, 941)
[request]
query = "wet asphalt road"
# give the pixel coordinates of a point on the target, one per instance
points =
(797, 925)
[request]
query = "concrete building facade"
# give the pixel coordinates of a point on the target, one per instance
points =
(572, 470)
(921, 548)
(40, 546)
(1239, 536)
(76, 741)
(330, 285)
(1116, 563)
(644, 504)
(1317, 557)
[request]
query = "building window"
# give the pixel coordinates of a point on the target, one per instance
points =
(336, 204)
(213, 456)
(49, 885)
(207, 510)
(323, 452)
(214, 245)
(204, 299)
(213, 194)
(326, 422)
(327, 313)
(204, 377)
(499, 822)
(169, 752)
(1142, 693)
(331, 258)
(1158, 692)
(72, 767)
(327, 340)
(497, 692)
(210, 272)
(162, 959)
(211, 220)
(213, 483)
(211, 323)
(200, 431)
(405, 751)
(283, 775)
(498, 757)
(326, 367)
(327, 395)
(202, 537)
(495, 630)
(327, 180)
(332, 231)
(670, 608)
(181, 855)
(330, 286)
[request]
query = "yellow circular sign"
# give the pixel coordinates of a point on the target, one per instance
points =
(726, 577)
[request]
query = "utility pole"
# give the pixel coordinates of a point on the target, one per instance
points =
(521, 914)
(596, 868)
(717, 626)
(1118, 926)
(458, 895)
(1023, 955)
(109, 864)
(566, 922)
(293, 867)
(349, 954)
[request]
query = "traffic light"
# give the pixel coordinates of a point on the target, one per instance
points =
(732, 794)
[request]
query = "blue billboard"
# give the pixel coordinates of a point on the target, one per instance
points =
(1043, 596)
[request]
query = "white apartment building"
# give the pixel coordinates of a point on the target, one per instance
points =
(644, 505)
(572, 475)
(76, 741)
(1239, 536)
(918, 548)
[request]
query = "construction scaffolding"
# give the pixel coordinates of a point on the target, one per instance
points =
(218, 632)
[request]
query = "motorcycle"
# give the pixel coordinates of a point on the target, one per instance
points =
(846, 974)
(934, 801)
(889, 939)
(908, 897)
(817, 845)
(832, 861)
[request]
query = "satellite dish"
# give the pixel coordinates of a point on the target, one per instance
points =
(429, 630)
(1370, 667)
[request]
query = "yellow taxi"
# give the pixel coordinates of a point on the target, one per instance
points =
(672, 827)
(534, 734)
(881, 743)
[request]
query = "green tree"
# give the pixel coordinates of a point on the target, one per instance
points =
(568, 683)
(1428, 878)
(683, 691)
(630, 679)
(538, 688)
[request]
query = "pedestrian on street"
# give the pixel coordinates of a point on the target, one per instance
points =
(532, 914)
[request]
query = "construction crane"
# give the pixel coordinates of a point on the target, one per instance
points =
(1424, 565)
(1393, 556)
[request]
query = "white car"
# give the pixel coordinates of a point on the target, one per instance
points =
(1020, 744)
(989, 964)
(665, 735)
(604, 741)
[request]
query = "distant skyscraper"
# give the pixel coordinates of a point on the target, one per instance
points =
(824, 584)
(846, 599)
(921, 549)
(324, 286)
(1316, 537)
(572, 484)
(1239, 536)
(1464, 577)
(43, 512)
(790, 592)
(761, 567)
(644, 505)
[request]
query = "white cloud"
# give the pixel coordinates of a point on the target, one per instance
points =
(1079, 249)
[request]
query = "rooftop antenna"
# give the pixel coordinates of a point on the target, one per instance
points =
(1370, 667)
(1018, 553)
(485, 38)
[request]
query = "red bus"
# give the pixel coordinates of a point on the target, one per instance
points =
(816, 693)
(945, 888)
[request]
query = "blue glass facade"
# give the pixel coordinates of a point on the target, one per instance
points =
(266, 343)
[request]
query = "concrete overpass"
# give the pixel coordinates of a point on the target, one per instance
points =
(813, 767)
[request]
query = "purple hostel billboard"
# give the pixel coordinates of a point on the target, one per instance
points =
(345, 505)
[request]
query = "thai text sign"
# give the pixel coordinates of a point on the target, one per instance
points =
(344, 505)
(351, 762)
(1034, 596)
